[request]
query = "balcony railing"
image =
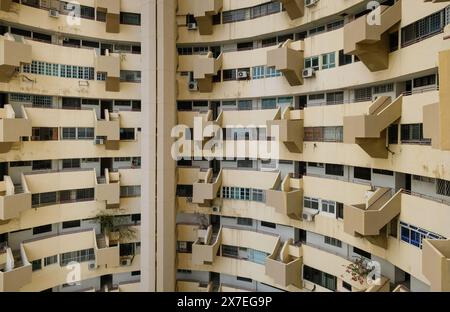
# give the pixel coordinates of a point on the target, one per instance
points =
(436, 263)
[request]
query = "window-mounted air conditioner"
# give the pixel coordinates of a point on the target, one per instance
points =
(242, 74)
(309, 73)
(193, 85)
(53, 13)
(192, 26)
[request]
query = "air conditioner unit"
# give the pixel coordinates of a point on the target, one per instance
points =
(92, 266)
(99, 141)
(53, 13)
(242, 74)
(308, 217)
(192, 26)
(308, 73)
(310, 3)
(193, 85)
(216, 209)
(125, 262)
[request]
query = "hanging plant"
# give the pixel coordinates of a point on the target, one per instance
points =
(358, 270)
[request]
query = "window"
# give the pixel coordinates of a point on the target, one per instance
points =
(414, 235)
(184, 190)
(424, 28)
(126, 133)
(312, 62)
(363, 94)
(383, 172)
(424, 81)
(71, 224)
(334, 98)
(344, 59)
(230, 251)
(85, 133)
(333, 134)
(313, 134)
(130, 75)
(332, 241)
(50, 260)
(257, 256)
(340, 210)
(229, 74)
(130, 18)
(269, 224)
(42, 229)
(245, 221)
(320, 278)
(362, 253)
(269, 103)
(41, 165)
(443, 187)
(413, 133)
(362, 173)
(244, 279)
(328, 206)
(258, 72)
(258, 195)
(312, 203)
(44, 134)
(36, 265)
(393, 134)
(328, 60)
(336, 170)
(131, 191)
(77, 256)
(346, 286)
(272, 72)
(71, 163)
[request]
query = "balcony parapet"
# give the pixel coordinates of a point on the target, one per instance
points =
(370, 131)
(289, 128)
(203, 13)
(371, 218)
(368, 39)
(284, 265)
(285, 198)
(111, 8)
(205, 249)
(288, 58)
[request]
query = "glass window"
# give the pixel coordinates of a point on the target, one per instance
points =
(328, 60)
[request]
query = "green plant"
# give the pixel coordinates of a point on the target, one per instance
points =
(358, 269)
(109, 223)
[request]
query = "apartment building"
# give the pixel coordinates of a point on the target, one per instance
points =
(360, 180)
(70, 145)
(334, 167)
